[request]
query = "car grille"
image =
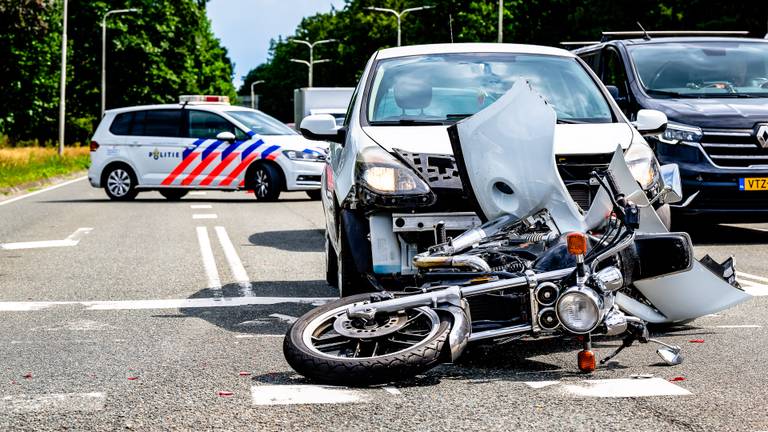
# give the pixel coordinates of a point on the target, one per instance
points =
(439, 170)
(576, 174)
(738, 148)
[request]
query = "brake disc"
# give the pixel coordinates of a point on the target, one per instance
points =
(358, 328)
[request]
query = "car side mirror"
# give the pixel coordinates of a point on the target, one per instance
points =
(226, 136)
(650, 122)
(322, 127)
(613, 91)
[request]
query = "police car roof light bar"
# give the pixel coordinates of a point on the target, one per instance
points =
(203, 99)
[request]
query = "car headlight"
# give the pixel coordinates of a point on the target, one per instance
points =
(642, 164)
(385, 181)
(579, 310)
(677, 132)
(306, 155)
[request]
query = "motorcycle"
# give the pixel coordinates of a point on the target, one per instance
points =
(540, 266)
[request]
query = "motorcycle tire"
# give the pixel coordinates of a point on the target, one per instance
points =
(393, 364)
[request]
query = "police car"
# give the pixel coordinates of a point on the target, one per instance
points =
(201, 143)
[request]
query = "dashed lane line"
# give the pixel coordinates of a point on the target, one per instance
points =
(306, 394)
(188, 303)
(200, 206)
(235, 265)
(205, 216)
(613, 388)
(197, 193)
(71, 240)
(50, 188)
(52, 403)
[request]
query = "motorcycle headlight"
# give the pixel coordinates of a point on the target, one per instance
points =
(677, 132)
(579, 310)
(306, 155)
(387, 182)
(642, 164)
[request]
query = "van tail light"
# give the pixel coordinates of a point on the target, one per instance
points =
(94, 146)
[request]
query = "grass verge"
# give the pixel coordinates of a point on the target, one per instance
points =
(23, 165)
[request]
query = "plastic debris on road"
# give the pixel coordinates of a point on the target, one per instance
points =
(224, 393)
(679, 378)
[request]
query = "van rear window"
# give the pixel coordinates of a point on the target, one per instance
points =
(122, 124)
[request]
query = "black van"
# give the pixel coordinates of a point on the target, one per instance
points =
(714, 90)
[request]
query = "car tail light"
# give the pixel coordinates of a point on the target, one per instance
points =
(94, 146)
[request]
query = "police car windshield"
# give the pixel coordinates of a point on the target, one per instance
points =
(716, 69)
(261, 123)
(444, 88)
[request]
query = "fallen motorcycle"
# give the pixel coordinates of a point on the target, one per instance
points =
(539, 266)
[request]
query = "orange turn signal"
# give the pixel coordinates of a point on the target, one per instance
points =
(577, 243)
(587, 362)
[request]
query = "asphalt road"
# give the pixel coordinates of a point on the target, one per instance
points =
(159, 318)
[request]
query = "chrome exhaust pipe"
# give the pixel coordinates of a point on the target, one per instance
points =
(471, 261)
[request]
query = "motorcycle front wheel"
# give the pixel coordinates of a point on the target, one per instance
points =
(327, 346)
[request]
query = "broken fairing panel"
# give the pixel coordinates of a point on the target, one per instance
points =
(506, 153)
(680, 296)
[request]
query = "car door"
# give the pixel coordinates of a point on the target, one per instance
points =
(155, 144)
(207, 161)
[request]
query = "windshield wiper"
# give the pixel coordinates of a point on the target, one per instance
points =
(727, 95)
(567, 121)
(671, 93)
(407, 122)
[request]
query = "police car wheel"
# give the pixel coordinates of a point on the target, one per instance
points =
(120, 184)
(267, 183)
(173, 194)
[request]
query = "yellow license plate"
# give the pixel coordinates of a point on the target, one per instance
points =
(753, 183)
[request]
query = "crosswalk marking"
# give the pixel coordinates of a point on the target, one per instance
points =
(753, 284)
(614, 388)
(305, 394)
(54, 402)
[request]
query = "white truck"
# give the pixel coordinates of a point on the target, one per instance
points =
(321, 100)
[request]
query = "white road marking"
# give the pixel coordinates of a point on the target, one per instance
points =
(205, 216)
(55, 402)
(248, 336)
(751, 276)
(541, 384)
(197, 193)
(391, 390)
(285, 318)
(752, 284)
(305, 394)
(71, 240)
(68, 182)
(200, 206)
(209, 263)
(163, 304)
(625, 387)
(238, 271)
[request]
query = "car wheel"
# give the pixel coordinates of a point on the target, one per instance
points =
(173, 194)
(267, 183)
(331, 266)
(348, 279)
(120, 183)
(314, 194)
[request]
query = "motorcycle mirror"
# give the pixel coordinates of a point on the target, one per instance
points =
(670, 355)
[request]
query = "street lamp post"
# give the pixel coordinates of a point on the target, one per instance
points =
(63, 85)
(501, 21)
(312, 62)
(253, 96)
(104, 53)
(399, 16)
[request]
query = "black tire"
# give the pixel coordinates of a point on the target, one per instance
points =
(330, 262)
(120, 183)
(314, 195)
(349, 281)
(173, 194)
(362, 371)
(267, 182)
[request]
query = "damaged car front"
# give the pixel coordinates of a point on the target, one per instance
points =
(392, 187)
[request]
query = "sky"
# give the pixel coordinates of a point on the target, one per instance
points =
(245, 27)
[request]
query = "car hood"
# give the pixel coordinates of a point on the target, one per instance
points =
(714, 113)
(570, 139)
(294, 142)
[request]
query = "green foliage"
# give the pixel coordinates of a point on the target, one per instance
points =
(544, 22)
(153, 56)
(24, 165)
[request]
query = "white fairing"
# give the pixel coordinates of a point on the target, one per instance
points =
(512, 143)
(508, 150)
(680, 296)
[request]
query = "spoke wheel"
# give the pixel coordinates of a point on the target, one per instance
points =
(267, 183)
(328, 346)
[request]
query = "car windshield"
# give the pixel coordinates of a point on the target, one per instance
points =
(261, 123)
(444, 88)
(702, 69)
